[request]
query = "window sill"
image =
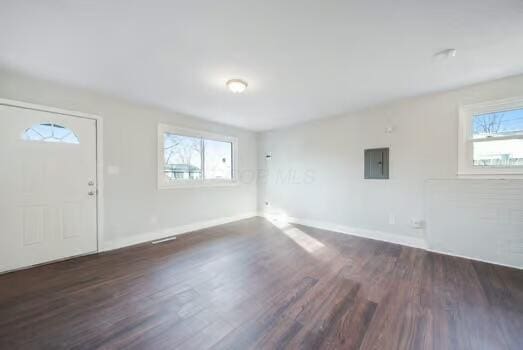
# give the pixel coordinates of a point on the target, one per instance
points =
(507, 176)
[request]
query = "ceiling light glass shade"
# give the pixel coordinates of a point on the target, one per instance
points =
(236, 86)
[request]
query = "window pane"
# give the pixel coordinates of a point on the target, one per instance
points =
(505, 123)
(182, 157)
(218, 160)
(499, 153)
(49, 132)
(59, 131)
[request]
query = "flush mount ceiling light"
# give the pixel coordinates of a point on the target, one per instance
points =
(236, 86)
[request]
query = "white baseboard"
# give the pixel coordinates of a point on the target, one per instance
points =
(415, 242)
(168, 232)
(473, 258)
(409, 241)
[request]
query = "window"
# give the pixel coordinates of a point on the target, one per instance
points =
(491, 139)
(49, 132)
(194, 158)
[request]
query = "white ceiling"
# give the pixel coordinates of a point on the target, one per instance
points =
(302, 59)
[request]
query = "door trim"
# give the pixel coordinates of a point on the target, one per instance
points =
(99, 156)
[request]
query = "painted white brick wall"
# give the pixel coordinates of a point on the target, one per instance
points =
(480, 219)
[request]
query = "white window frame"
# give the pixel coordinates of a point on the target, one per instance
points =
(163, 181)
(465, 140)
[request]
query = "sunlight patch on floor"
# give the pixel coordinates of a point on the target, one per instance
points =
(305, 241)
(310, 244)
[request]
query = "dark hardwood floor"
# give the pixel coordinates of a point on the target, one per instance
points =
(253, 285)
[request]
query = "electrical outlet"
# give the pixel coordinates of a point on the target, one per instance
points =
(417, 223)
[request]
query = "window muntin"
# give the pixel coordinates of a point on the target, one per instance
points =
(193, 158)
(50, 132)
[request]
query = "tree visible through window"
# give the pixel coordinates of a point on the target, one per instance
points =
(182, 157)
(498, 139)
(192, 158)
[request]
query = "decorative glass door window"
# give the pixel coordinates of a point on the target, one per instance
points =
(50, 132)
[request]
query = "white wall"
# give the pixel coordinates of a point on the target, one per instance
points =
(325, 159)
(134, 208)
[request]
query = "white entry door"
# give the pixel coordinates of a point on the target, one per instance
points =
(47, 187)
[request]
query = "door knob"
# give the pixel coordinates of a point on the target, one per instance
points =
(90, 183)
(91, 193)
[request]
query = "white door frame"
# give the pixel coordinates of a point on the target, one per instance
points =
(99, 156)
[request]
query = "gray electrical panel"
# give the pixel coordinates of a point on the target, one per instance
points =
(377, 163)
